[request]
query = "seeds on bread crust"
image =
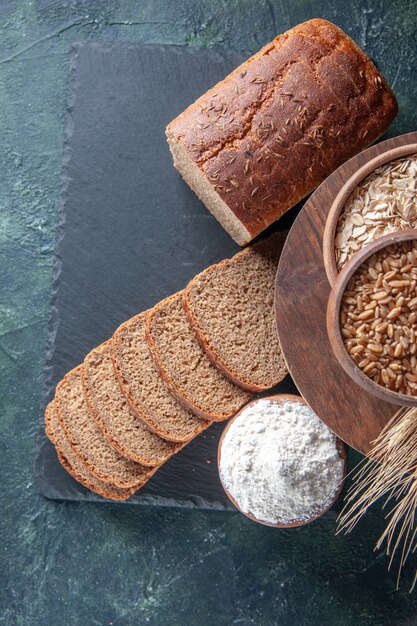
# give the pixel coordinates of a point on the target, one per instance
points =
(306, 102)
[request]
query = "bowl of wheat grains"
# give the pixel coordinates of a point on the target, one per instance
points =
(372, 317)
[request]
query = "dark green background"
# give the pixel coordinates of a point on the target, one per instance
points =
(85, 564)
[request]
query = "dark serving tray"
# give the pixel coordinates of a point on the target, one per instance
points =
(130, 232)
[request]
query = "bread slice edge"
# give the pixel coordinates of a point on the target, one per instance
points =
(111, 493)
(204, 341)
(158, 360)
(204, 190)
(110, 438)
(91, 467)
(146, 419)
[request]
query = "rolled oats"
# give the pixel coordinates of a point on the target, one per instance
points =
(385, 201)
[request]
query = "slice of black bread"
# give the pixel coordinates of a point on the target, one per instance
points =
(72, 463)
(87, 440)
(144, 389)
(230, 306)
(119, 424)
(184, 366)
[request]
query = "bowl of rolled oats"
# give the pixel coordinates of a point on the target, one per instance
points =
(372, 317)
(378, 199)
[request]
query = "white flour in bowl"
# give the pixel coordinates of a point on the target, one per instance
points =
(280, 462)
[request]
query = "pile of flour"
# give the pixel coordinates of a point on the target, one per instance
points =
(280, 462)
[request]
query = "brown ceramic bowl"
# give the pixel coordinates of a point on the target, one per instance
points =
(333, 316)
(342, 197)
(340, 446)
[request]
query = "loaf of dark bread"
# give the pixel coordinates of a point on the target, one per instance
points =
(266, 136)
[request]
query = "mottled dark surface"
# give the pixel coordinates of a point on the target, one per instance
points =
(83, 563)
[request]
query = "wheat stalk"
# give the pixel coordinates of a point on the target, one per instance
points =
(390, 473)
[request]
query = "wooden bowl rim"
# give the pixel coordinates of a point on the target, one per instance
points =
(341, 448)
(339, 202)
(333, 314)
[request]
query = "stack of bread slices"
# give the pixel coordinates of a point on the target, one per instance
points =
(168, 373)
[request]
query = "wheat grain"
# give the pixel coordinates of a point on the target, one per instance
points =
(378, 319)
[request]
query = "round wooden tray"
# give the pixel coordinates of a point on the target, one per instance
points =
(301, 294)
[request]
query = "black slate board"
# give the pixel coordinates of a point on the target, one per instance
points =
(130, 232)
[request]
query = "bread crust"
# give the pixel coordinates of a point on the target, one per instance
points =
(134, 484)
(214, 357)
(279, 124)
(179, 394)
(205, 342)
(204, 339)
(111, 439)
(111, 493)
(157, 428)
